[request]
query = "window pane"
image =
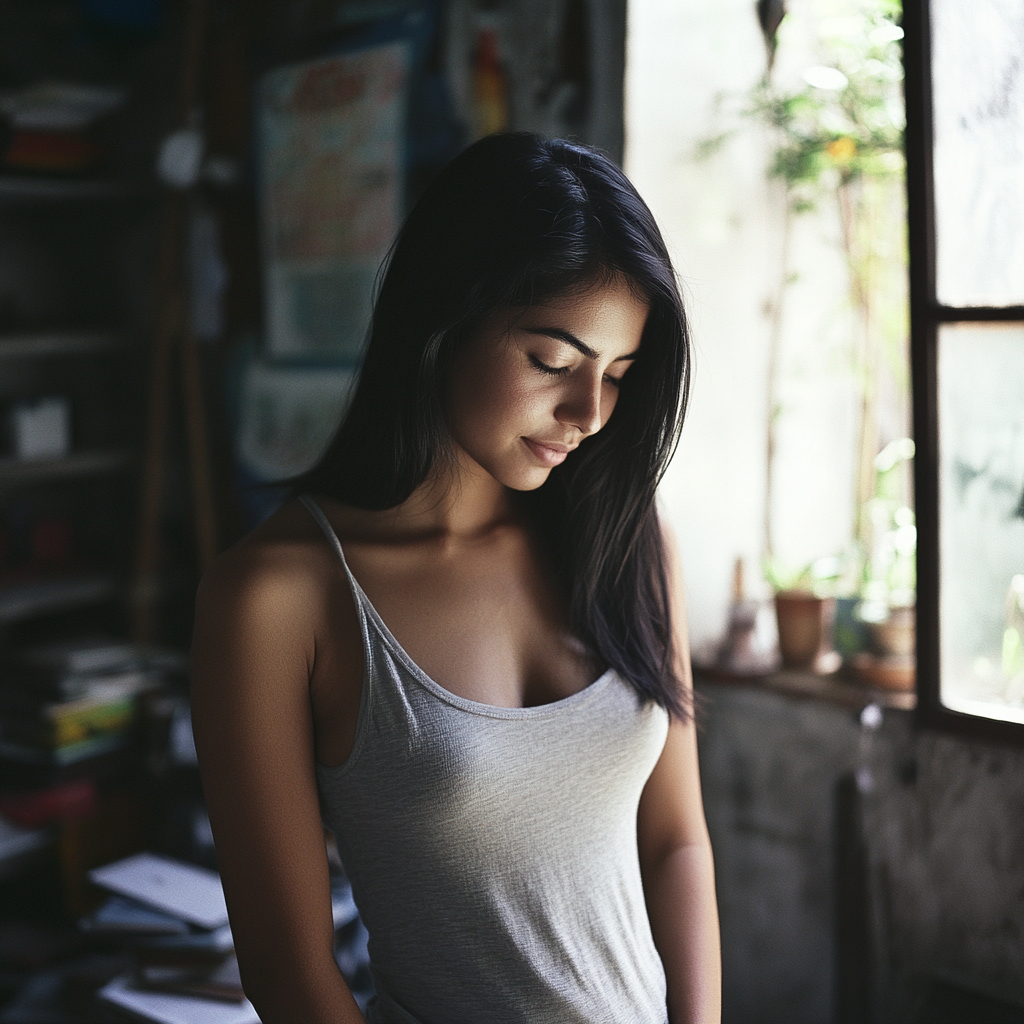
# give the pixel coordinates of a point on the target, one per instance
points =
(978, 93)
(981, 510)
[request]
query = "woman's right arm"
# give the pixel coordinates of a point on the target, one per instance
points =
(252, 656)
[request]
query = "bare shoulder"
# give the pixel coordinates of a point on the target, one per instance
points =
(279, 562)
(273, 585)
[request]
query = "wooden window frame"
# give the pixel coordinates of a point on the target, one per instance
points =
(926, 315)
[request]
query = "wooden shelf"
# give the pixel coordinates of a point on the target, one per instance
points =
(59, 343)
(25, 188)
(17, 471)
(26, 600)
(834, 689)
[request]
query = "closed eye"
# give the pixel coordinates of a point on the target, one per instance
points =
(554, 371)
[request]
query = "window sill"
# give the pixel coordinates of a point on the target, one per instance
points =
(840, 689)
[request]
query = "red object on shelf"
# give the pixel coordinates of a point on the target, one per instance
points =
(53, 152)
(69, 801)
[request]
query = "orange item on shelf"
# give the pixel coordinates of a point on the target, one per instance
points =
(489, 86)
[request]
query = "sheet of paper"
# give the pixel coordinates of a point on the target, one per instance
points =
(330, 137)
(168, 1009)
(343, 907)
(220, 940)
(192, 893)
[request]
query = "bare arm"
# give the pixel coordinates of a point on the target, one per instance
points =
(251, 661)
(675, 856)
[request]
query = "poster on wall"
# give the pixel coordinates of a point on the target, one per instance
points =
(288, 415)
(331, 134)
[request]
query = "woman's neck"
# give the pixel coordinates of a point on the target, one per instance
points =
(459, 502)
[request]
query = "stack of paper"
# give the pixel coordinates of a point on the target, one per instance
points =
(177, 908)
(176, 915)
(176, 1009)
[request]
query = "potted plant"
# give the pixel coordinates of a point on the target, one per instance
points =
(805, 611)
(889, 585)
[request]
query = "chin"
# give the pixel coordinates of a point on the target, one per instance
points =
(511, 471)
(518, 478)
(530, 480)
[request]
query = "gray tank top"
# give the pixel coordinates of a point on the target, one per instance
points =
(492, 851)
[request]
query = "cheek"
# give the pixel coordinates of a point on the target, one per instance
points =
(488, 396)
(608, 402)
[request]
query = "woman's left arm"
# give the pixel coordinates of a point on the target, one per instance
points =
(675, 853)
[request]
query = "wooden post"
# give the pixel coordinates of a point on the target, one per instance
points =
(171, 327)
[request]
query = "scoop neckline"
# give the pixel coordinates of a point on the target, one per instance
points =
(464, 703)
(421, 677)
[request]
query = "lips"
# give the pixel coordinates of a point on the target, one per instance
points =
(551, 453)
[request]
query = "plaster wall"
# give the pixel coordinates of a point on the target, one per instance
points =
(689, 65)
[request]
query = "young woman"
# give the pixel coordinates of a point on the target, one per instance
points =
(464, 644)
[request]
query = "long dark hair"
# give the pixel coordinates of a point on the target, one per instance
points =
(512, 221)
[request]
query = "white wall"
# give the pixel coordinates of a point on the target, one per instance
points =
(723, 221)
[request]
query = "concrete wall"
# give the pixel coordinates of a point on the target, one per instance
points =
(942, 837)
(945, 836)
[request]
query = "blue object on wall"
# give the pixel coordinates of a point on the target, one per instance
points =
(140, 15)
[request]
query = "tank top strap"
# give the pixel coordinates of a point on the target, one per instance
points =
(324, 523)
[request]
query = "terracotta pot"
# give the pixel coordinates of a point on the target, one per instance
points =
(896, 634)
(805, 630)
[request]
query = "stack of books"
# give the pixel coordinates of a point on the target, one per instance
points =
(63, 705)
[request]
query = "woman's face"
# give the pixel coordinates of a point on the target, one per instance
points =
(531, 385)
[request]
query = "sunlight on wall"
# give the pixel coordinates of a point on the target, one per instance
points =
(723, 220)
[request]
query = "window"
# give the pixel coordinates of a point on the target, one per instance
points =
(965, 183)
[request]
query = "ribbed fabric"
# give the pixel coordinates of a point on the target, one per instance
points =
(492, 851)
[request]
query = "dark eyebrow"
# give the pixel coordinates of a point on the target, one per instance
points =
(571, 339)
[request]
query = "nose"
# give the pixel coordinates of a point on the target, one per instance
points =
(581, 406)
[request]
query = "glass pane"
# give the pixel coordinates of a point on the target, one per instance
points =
(978, 96)
(981, 519)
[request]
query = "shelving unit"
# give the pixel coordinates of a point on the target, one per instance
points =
(72, 228)
(59, 343)
(22, 601)
(15, 471)
(64, 242)
(77, 262)
(28, 189)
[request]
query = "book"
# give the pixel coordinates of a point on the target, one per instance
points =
(70, 669)
(72, 753)
(81, 657)
(70, 729)
(24, 768)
